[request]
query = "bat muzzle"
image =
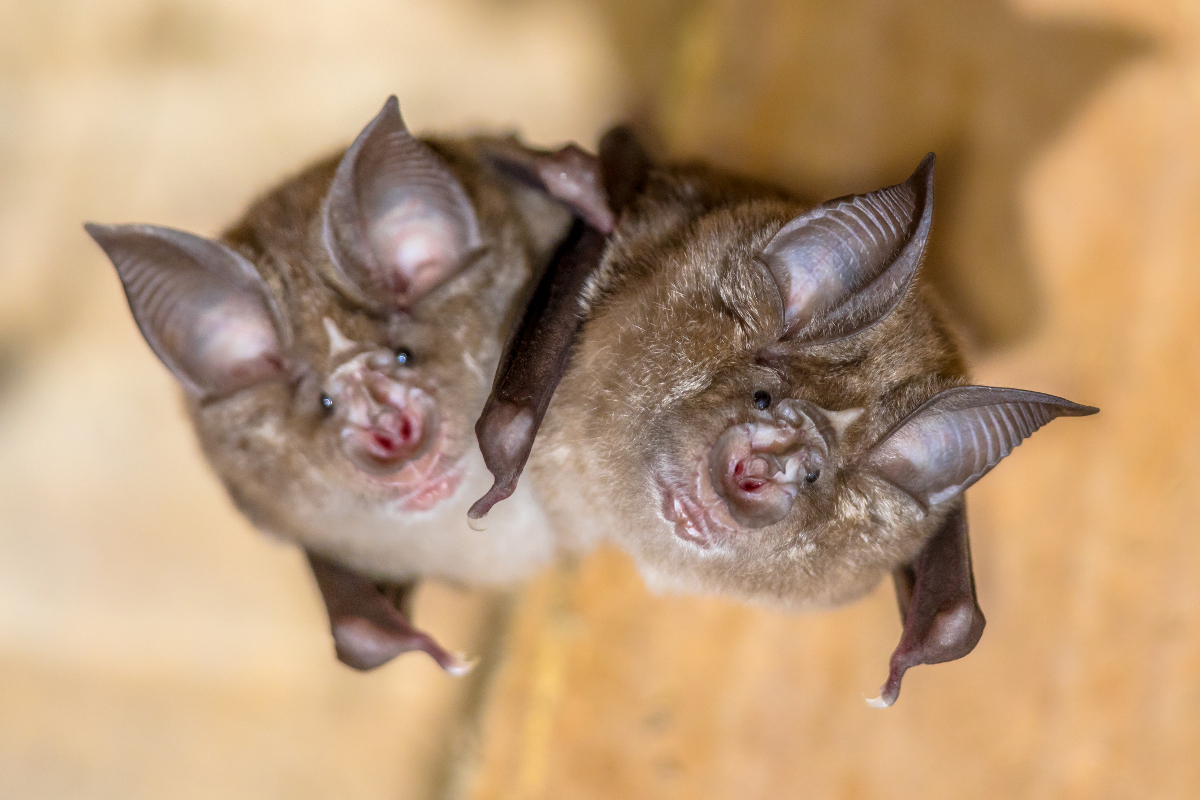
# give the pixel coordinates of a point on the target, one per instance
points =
(759, 468)
(399, 426)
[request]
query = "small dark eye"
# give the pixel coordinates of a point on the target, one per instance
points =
(812, 476)
(762, 400)
(404, 356)
(326, 403)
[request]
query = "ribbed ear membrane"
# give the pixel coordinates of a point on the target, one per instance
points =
(397, 221)
(842, 266)
(956, 437)
(202, 307)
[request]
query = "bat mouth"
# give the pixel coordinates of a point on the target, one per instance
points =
(748, 478)
(758, 470)
(438, 482)
(424, 483)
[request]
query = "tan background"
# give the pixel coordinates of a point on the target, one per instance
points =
(152, 645)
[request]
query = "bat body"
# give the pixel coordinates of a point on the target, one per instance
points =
(763, 402)
(336, 345)
(683, 329)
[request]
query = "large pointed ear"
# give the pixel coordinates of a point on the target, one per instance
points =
(202, 307)
(570, 175)
(938, 607)
(844, 265)
(956, 437)
(397, 222)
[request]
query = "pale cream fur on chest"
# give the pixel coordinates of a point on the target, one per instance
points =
(386, 542)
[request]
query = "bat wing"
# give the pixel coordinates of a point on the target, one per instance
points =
(570, 175)
(536, 357)
(533, 364)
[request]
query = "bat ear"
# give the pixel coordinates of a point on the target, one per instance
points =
(570, 175)
(202, 307)
(844, 265)
(939, 609)
(956, 437)
(397, 222)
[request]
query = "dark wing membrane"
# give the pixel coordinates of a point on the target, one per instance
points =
(570, 175)
(533, 363)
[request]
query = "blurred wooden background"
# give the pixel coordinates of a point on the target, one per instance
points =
(151, 645)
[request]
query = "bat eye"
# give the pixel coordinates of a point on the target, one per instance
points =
(326, 403)
(762, 400)
(404, 357)
(812, 476)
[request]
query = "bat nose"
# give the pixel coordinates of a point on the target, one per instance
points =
(755, 485)
(381, 389)
(757, 495)
(397, 433)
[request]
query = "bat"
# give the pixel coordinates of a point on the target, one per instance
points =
(760, 400)
(334, 347)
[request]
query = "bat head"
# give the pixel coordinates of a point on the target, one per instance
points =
(336, 343)
(777, 404)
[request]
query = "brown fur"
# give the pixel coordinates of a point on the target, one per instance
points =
(268, 444)
(683, 325)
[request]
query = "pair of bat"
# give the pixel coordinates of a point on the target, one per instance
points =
(747, 393)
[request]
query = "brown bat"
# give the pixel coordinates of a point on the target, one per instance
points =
(762, 402)
(335, 346)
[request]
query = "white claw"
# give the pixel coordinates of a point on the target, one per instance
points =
(876, 702)
(471, 523)
(461, 665)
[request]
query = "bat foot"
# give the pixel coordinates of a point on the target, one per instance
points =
(368, 628)
(365, 644)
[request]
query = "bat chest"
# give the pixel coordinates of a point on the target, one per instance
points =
(389, 542)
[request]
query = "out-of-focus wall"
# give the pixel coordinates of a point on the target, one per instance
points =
(151, 643)
(831, 97)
